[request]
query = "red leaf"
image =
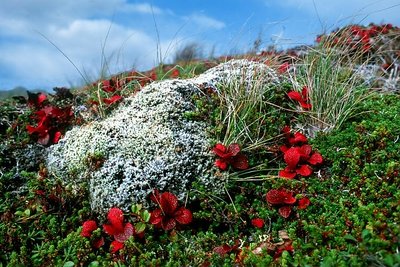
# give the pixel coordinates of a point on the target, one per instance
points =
(175, 73)
(287, 173)
(41, 97)
(257, 222)
(240, 162)
(304, 170)
(284, 148)
(156, 217)
(315, 159)
(115, 217)
(107, 86)
(56, 137)
(168, 223)
(303, 203)
(115, 246)
(222, 250)
(292, 157)
(285, 211)
(88, 227)
(98, 242)
(183, 216)
(112, 99)
(168, 203)
(220, 150)
(221, 164)
(276, 197)
(283, 68)
(298, 138)
(295, 96)
(233, 149)
(44, 140)
(305, 151)
(304, 93)
(305, 105)
(123, 236)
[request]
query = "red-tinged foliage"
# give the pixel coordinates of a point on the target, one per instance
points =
(112, 100)
(298, 155)
(285, 211)
(49, 120)
(279, 197)
(302, 98)
(168, 214)
(258, 222)
(280, 250)
(225, 249)
(230, 155)
(303, 203)
(283, 68)
(115, 224)
(36, 99)
(88, 227)
(98, 242)
(108, 86)
(175, 73)
(128, 231)
(116, 246)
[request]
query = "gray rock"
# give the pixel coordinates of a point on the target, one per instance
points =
(145, 144)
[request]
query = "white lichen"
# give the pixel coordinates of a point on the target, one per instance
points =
(145, 144)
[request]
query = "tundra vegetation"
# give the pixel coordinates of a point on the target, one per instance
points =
(273, 159)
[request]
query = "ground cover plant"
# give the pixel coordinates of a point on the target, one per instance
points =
(307, 147)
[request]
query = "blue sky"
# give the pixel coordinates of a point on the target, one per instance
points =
(129, 34)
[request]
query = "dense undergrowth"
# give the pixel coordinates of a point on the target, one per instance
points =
(354, 199)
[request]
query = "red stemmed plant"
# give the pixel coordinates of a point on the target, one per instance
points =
(117, 228)
(285, 200)
(87, 229)
(168, 215)
(230, 155)
(303, 98)
(298, 155)
(49, 121)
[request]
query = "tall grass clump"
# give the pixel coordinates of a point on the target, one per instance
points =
(245, 106)
(334, 89)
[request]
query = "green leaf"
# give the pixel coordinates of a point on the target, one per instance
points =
(366, 234)
(136, 208)
(145, 215)
(27, 212)
(69, 264)
(94, 264)
(140, 227)
(351, 238)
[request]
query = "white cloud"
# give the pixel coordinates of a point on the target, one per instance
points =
(206, 22)
(79, 29)
(82, 41)
(143, 8)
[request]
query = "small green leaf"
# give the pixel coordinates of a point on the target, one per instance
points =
(145, 215)
(94, 264)
(350, 238)
(19, 213)
(140, 227)
(69, 264)
(136, 208)
(27, 212)
(366, 234)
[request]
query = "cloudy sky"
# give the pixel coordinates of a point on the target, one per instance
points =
(40, 38)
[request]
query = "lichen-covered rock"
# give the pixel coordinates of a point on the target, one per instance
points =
(146, 144)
